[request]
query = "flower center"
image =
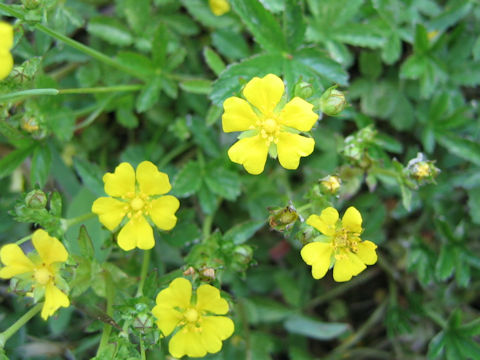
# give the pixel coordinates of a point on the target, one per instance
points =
(191, 315)
(344, 240)
(270, 126)
(42, 276)
(137, 204)
(269, 129)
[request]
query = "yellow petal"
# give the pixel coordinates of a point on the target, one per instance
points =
(352, 220)
(238, 115)
(167, 319)
(6, 36)
(366, 252)
(6, 63)
(347, 266)
(186, 342)
(136, 233)
(219, 7)
(291, 147)
(264, 93)
(54, 299)
(209, 299)
(178, 294)
(15, 261)
(50, 249)
(318, 255)
(163, 211)
(110, 211)
(121, 182)
(298, 114)
(326, 222)
(152, 181)
(221, 326)
(250, 152)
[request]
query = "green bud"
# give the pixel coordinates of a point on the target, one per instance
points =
(303, 89)
(36, 199)
(242, 254)
(420, 168)
(332, 101)
(330, 184)
(31, 4)
(282, 219)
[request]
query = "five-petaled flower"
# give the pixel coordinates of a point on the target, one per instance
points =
(41, 269)
(6, 43)
(340, 246)
(270, 126)
(199, 328)
(137, 197)
(219, 7)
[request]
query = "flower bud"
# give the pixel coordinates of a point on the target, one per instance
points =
(332, 101)
(243, 254)
(36, 199)
(208, 273)
(29, 124)
(421, 169)
(189, 271)
(303, 89)
(282, 219)
(330, 183)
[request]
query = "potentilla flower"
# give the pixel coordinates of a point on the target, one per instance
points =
(219, 7)
(270, 126)
(6, 43)
(199, 329)
(41, 269)
(135, 195)
(340, 246)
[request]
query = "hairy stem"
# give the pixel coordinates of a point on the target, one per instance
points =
(5, 335)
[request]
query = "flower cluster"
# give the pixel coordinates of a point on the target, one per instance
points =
(135, 195)
(199, 328)
(340, 246)
(40, 270)
(267, 125)
(6, 43)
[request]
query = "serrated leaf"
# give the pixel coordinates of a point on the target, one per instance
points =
(110, 30)
(149, 95)
(446, 262)
(462, 147)
(223, 182)
(199, 86)
(321, 64)
(41, 164)
(241, 233)
(85, 243)
(294, 23)
(230, 44)
(11, 161)
(359, 35)
(90, 174)
(207, 199)
(188, 180)
(413, 67)
(301, 325)
(213, 60)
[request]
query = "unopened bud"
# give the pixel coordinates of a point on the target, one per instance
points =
(209, 273)
(36, 199)
(332, 101)
(420, 168)
(330, 183)
(303, 89)
(282, 219)
(189, 271)
(29, 124)
(243, 254)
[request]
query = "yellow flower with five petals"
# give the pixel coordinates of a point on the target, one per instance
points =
(42, 269)
(135, 195)
(270, 126)
(341, 245)
(199, 329)
(6, 43)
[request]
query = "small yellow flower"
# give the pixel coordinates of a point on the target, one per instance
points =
(331, 183)
(199, 329)
(6, 43)
(219, 7)
(42, 268)
(137, 197)
(270, 126)
(341, 245)
(422, 170)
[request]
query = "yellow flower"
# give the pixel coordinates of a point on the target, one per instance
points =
(271, 127)
(219, 7)
(331, 183)
(342, 245)
(6, 43)
(199, 329)
(41, 268)
(137, 197)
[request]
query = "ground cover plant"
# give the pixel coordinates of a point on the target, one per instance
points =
(241, 179)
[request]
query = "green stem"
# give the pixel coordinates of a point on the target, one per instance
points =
(100, 89)
(207, 226)
(435, 317)
(76, 45)
(144, 271)
(76, 220)
(28, 93)
(22, 240)
(172, 154)
(107, 328)
(142, 350)
(5, 335)
(94, 115)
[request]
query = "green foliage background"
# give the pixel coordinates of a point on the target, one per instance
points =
(135, 80)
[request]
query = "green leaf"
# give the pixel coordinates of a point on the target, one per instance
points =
(462, 147)
(223, 182)
(476, 49)
(149, 95)
(11, 161)
(446, 262)
(91, 175)
(204, 136)
(241, 233)
(231, 44)
(126, 117)
(474, 204)
(207, 199)
(62, 123)
(450, 16)
(213, 60)
(159, 47)
(413, 67)
(406, 197)
(111, 30)
(359, 35)
(41, 164)
(422, 43)
(138, 63)
(135, 11)
(199, 86)
(301, 325)
(85, 243)
(188, 180)
(436, 345)
(213, 114)
(294, 23)
(392, 49)
(260, 23)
